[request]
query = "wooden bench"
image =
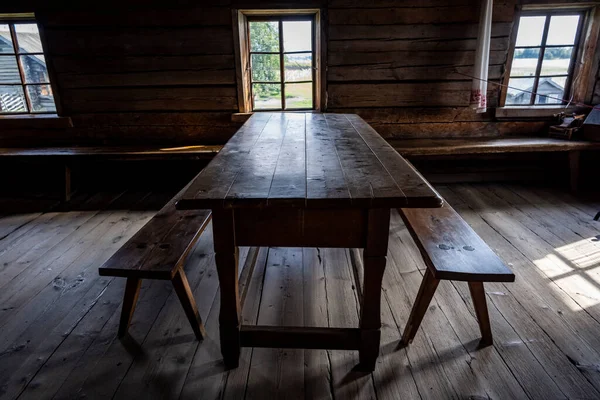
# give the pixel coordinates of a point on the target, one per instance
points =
(453, 251)
(159, 251)
(67, 156)
(412, 148)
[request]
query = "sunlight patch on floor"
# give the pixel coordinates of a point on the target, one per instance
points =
(575, 269)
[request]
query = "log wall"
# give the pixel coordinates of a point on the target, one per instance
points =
(138, 72)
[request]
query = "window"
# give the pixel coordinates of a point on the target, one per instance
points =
(278, 59)
(281, 63)
(543, 62)
(24, 81)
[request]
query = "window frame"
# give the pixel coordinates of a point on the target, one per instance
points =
(543, 46)
(241, 17)
(581, 85)
(280, 19)
(11, 20)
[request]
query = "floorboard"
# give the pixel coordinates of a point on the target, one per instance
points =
(58, 318)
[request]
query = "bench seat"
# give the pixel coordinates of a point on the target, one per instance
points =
(70, 155)
(118, 153)
(159, 251)
(508, 144)
(452, 250)
(414, 148)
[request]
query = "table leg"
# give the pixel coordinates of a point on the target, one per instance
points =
(374, 260)
(226, 257)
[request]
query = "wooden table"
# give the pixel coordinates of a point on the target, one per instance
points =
(305, 180)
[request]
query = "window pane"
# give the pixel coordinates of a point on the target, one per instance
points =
(266, 68)
(562, 29)
(6, 45)
(298, 95)
(297, 36)
(41, 98)
(9, 70)
(28, 38)
(35, 69)
(556, 61)
(525, 62)
(12, 99)
(519, 91)
(530, 31)
(264, 36)
(266, 96)
(298, 67)
(550, 90)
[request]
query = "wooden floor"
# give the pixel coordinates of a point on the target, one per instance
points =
(58, 318)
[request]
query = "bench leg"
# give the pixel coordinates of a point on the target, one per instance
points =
(374, 260)
(424, 296)
(132, 290)
(574, 157)
(226, 257)
(186, 297)
(483, 318)
(68, 189)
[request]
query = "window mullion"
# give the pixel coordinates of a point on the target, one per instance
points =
(571, 70)
(281, 66)
(538, 69)
(13, 34)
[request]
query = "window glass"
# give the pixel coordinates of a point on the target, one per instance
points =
(531, 30)
(264, 36)
(298, 95)
(298, 67)
(297, 36)
(35, 68)
(266, 96)
(41, 97)
(12, 100)
(562, 30)
(556, 61)
(525, 62)
(9, 70)
(6, 44)
(519, 91)
(28, 38)
(266, 68)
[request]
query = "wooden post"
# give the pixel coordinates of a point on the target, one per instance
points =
(226, 257)
(374, 260)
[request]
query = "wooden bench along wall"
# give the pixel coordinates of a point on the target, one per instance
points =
(70, 156)
(415, 148)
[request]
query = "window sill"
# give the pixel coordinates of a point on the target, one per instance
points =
(35, 121)
(533, 112)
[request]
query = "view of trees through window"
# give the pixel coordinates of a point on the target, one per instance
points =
(281, 59)
(543, 59)
(24, 82)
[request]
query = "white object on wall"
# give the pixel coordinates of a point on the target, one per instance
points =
(482, 58)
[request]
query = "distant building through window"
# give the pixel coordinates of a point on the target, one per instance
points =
(544, 57)
(281, 54)
(24, 81)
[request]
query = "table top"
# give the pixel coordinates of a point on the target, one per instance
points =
(308, 160)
